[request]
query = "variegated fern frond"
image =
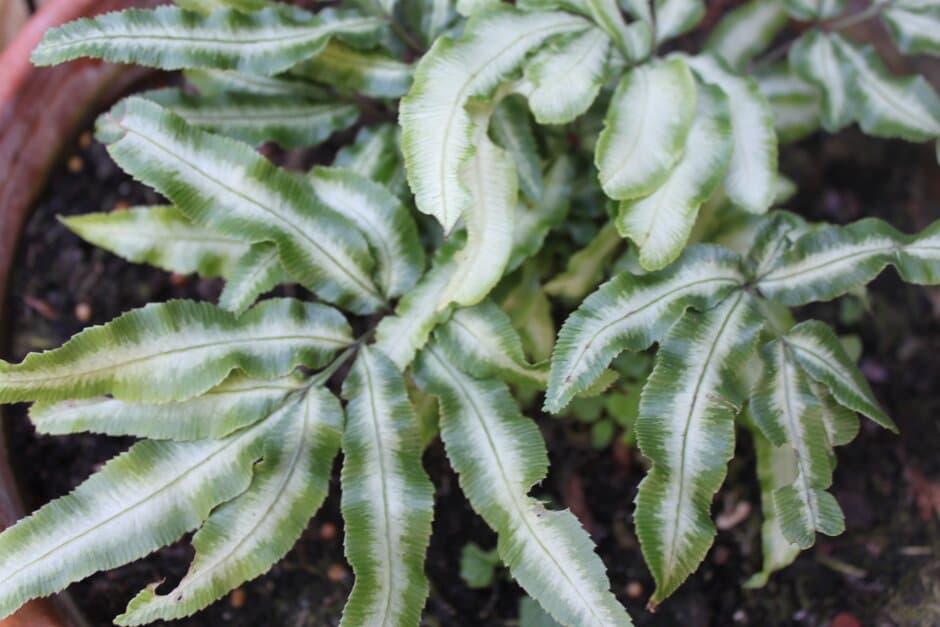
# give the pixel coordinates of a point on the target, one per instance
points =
(474, 159)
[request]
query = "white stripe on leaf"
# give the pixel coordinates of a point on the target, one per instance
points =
(244, 537)
(675, 17)
(787, 412)
(746, 31)
(887, 105)
(387, 497)
(660, 223)
(369, 73)
(645, 129)
(485, 344)
(819, 352)
(214, 82)
(812, 10)
(490, 178)
(631, 312)
(237, 402)
(437, 129)
(289, 121)
(916, 30)
(402, 335)
(563, 78)
(160, 236)
(374, 154)
(264, 42)
(751, 178)
(498, 455)
(383, 220)
(257, 272)
(815, 58)
(227, 186)
(833, 260)
(795, 103)
(685, 427)
(138, 502)
(177, 350)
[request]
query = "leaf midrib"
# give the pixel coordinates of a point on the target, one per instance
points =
(801, 454)
(134, 505)
(319, 31)
(383, 471)
(520, 510)
(291, 232)
(272, 338)
(458, 103)
(603, 329)
(672, 548)
(769, 278)
(286, 476)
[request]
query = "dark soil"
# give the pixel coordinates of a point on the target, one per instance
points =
(885, 570)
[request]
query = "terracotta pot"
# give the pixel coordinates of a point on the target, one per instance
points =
(41, 110)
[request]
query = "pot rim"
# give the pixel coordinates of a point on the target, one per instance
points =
(32, 137)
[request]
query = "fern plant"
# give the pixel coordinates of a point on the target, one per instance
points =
(507, 117)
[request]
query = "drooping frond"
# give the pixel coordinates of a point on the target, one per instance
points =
(437, 129)
(160, 236)
(264, 42)
(498, 455)
(686, 428)
(140, 501)
(244, 537)
(631, 312)
(177, 350)
(387, 496)
(227, 186)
